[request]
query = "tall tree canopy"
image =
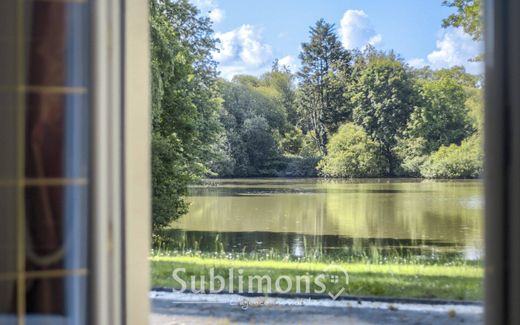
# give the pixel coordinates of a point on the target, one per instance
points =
(252, 115)
(321, 104)
(384, 97)
(185, 103)
(468, 16)
(441, 117)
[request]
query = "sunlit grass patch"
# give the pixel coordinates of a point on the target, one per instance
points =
(457, 282)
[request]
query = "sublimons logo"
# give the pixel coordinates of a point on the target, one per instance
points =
(236, 281)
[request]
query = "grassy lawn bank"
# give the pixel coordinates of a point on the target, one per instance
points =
(454, 282)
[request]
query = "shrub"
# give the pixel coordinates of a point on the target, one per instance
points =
(455, 161)
(351, 153)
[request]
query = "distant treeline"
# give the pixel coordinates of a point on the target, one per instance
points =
(366, 114)
(350, 114)
(343, 114)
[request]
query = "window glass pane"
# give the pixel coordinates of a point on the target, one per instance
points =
(44, 172)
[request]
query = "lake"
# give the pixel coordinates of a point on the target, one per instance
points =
(340, 219)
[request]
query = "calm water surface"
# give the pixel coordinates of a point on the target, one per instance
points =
(302, 217)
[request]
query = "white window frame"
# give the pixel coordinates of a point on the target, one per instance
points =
(121, 163)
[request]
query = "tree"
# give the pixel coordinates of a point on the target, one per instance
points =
(170, 178)
(282, 80)
(246, 96)
(475, 106)
(441, 117)
(321, 105)
(185, 104)
(458, 74)
(182, 43)
(468, 16)
(253, 117)
(449, 111)
(259, 144)
(384, 97)
(351, 153)
(412, 154)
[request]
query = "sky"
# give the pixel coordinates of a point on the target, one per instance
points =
(253, 33)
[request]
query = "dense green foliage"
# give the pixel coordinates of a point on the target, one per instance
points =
(252, 115)
(442, 117)
(184, 104)
(261, 137)
(343, 114)
(455, 161)
(468, 16)
(351, 153)
(384, 97)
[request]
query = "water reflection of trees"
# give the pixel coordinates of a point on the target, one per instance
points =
(267, 245)
(422, 211)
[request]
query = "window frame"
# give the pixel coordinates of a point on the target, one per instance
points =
(121, 190)
(502, 159)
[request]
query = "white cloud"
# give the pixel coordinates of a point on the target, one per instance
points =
(210, 8)
(242, 51)
(287, 60)
(204, 4)
(417, 63)
(290, 62)
(454, 47)
(356, 30)
(217, 15)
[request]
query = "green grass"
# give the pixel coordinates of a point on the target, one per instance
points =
(454, 282)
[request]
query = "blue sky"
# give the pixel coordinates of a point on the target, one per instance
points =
(255, 32)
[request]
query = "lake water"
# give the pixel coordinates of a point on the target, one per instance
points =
(300, 218)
